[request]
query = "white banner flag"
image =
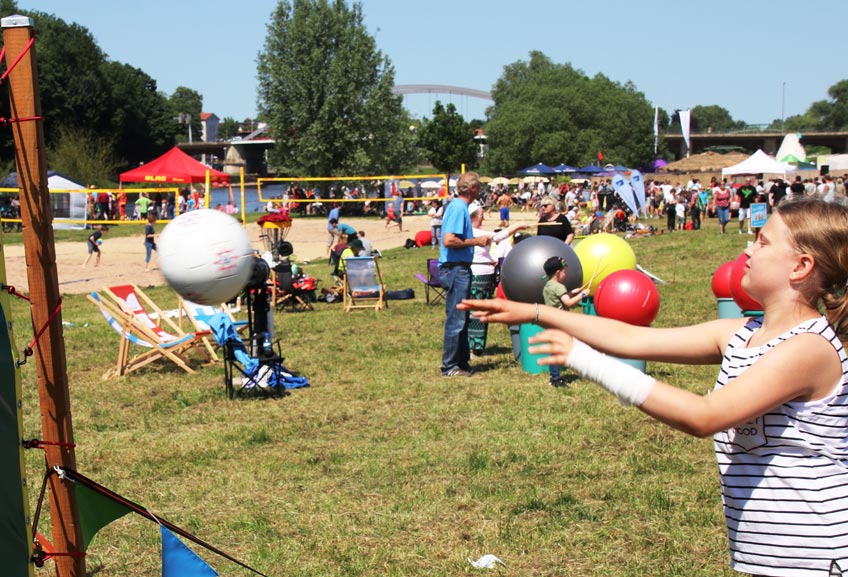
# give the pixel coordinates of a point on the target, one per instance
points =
(684, 127)
(638, 186)
(656, 128)
(622, 187)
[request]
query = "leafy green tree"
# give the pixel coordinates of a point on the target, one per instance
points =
(823, 114)
(325, 91)
(553, 113)
(72, 87)
(186, 106)
(140, 115)
(86, 95)
(447, 139)
(228, 128)
(84, 157)
(710, 118)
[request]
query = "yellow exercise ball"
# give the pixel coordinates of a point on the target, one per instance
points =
(603, 254)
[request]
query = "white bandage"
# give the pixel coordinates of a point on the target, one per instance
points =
(630, 385)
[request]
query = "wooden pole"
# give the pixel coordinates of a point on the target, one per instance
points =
(49, 351)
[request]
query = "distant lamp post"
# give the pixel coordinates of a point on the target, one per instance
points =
(783, 108)
(185, 118)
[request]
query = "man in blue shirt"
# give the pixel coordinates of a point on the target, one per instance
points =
(332, 230)
(456, 251)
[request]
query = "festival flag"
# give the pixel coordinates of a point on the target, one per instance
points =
(180, 561)
(98, 506)
(638, 186)
(622, 187)
(600, 156)
(684, 116)
(656, 128)
(95, 512)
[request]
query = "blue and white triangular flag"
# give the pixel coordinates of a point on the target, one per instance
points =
(180, 561)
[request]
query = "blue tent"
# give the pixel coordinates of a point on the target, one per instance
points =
(537, 170)
(590, 169)
(564, 168)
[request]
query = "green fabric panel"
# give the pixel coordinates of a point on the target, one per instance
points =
(14, 511)
(95, 512)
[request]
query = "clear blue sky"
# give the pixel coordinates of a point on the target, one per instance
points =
(756, 58)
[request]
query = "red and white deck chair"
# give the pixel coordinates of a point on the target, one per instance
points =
(127, 310)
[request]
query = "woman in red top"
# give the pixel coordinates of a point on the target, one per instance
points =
(721, 198)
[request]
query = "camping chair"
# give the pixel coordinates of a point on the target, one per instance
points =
(363, 284)
(126, 313)
(200, 317)
(286, 294)
(432, 281)
(258, 372)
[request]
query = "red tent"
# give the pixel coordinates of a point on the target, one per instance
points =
(173, 166)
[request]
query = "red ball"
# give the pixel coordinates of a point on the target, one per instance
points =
(628, 296)
(743, 300)
(423, 238)
(499, 292)
(721, 281)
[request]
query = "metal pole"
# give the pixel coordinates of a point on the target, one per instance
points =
(783, 107)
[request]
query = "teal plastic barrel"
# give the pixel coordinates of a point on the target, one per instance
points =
(728, 309)
(528, 361)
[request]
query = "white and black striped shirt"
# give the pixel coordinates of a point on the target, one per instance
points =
(784, 475)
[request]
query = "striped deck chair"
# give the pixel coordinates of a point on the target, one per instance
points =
(363, 284)
(125, 308)
(200, 317)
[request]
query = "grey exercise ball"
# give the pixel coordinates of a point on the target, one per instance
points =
(523, 273)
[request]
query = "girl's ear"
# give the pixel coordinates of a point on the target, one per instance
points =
(803, 267)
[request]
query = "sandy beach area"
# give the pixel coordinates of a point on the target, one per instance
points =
(123, 257)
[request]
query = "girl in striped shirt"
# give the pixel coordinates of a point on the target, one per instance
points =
(779, 410)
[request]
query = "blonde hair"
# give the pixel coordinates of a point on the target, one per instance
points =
(820, 229)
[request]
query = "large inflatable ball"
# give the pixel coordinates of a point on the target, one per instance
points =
(205, 256)
(603, 254)
(523, 273)
(742, 299)
(721, 281)
(628, 296)
(423, 238)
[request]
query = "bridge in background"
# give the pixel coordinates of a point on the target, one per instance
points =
(440, 89)
(769, 142)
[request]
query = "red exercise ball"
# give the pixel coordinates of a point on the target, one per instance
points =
(743, 300)
(628, 296)
(721, 281)
(423, 238)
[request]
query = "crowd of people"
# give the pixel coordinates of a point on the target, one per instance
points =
(117, 205)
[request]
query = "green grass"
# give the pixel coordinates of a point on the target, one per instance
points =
(382, 467)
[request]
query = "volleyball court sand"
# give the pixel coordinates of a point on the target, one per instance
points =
(123, 258)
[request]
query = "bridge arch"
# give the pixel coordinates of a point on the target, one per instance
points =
(469, 102)
(440, 89)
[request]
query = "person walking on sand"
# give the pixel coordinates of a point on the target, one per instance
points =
(93, 244)
(149, 238)
(504, 203)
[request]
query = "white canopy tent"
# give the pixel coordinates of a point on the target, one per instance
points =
(758, 163)
(66, 205)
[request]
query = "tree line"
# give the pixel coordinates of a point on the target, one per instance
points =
(325, 90)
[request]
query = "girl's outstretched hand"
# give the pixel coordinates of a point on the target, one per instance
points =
(554, 343)
(499, 311)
